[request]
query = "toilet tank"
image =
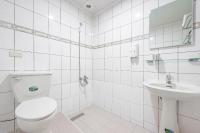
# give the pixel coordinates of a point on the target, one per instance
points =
(30, 85)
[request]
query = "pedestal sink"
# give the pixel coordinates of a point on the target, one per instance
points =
(170, 95)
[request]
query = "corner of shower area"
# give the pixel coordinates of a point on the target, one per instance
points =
(83, 98)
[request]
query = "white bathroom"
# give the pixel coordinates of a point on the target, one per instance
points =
(99, 66)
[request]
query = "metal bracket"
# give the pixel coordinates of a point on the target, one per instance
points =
(196, 25)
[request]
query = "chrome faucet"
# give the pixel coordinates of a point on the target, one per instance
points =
(83, 81)
(169, 80)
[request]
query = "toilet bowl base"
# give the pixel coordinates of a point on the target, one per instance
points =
(41, 126)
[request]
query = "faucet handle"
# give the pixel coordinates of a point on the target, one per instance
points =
(85, 77)
(168, 77)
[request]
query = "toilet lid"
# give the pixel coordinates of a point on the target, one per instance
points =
(36, 109)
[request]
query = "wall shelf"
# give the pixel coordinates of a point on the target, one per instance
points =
(194, 59)
(149, 61)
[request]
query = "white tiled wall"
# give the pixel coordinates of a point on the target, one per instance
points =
(55, 17)
(117, 82)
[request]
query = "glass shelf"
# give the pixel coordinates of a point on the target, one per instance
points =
(194, 59)
(149, 61)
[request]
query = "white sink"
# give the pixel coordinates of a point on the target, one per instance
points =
(178, 91)
(170, 95)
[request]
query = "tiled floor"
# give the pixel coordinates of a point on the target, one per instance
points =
(61, 125)
(94, 120)
(97, 120)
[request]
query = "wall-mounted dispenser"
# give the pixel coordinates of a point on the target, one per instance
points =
(135, 51)
(135, 54)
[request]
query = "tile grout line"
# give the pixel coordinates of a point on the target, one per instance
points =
(14, 67)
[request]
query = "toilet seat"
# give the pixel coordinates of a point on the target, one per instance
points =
(36, 109)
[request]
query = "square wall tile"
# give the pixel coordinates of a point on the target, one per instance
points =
(136, 113)
(23, 41)
(55, 92)
(116, 34)
(54, 28)
(6, 63)
(41, 45)
(126, 4)
(55, 2)
(41, 61)
(7, 38)
(108, 36)
(126, 49)
(56, 77)
(137, 12)
(116, 64)
(125, 18)
(54, 12)
(74, 35)
(74, 63)
(66, 62)
(6, 11)
(65, 18)
(137, 28)
(66, 75)
(74, 76)
(117, 9)
(25, 62)
(151, 115)
(66, 50)
(65, 32)
(137, 79)
(116, 50)
(41, 7)
(65, 91)
(108, 64)
(28, 4)
(55, 62)
(136, 2)
(40, 23)
(126, 32)
(55, 47)
(189, 78)
(125, 63)
(21, 14)
(74, 51)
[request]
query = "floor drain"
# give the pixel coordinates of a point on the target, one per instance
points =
(77, 116)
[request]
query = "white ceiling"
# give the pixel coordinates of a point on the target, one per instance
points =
(97, 5)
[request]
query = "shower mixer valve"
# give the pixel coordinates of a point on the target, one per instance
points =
(83, 81)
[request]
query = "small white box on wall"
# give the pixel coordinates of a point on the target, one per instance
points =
(135, 51)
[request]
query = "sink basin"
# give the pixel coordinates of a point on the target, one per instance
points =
(178, 91)
(170, 94)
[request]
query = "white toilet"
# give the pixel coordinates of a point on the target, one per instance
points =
(35, 110)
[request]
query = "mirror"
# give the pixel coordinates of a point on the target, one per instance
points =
(171, 25)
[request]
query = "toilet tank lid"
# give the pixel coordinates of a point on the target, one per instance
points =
(29, 73)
